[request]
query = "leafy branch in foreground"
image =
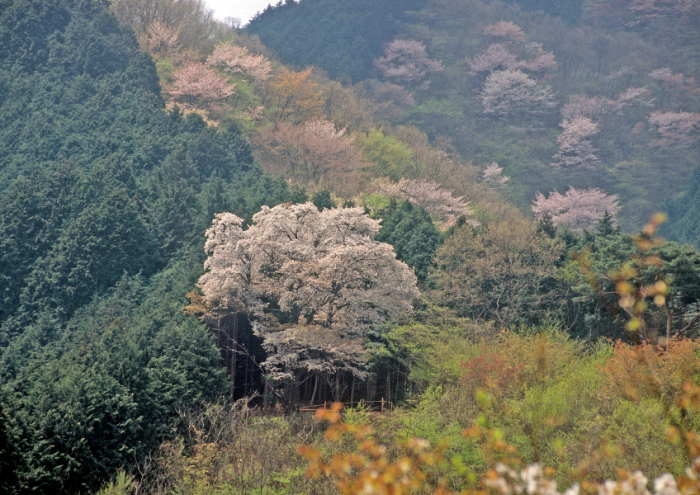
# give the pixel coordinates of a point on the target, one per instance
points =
(367, 468)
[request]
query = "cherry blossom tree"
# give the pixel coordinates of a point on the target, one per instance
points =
(675, 128)
(676, 89)
(507, 30)
(311, 282)
(507, 67)
(198, 87)
(406, 61)
(496, 57)
(599, 107)
(575, 147)
(500, 56)
(636, 96)
(536, 59)
(236, 59)
(506, 92)
(578, 209)
(439, 202)
(314, 154)
(493, 178)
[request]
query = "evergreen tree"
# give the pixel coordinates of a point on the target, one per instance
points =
(412, 233)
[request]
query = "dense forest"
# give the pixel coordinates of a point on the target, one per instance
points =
(444, 214)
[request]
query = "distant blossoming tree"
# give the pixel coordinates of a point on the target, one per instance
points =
(496, 57)
(499, 57)
(536, 59)
(636, 96)
(511, 52)
(439, 202)
(314, 154)
(506, 30)
(197, 87)
(493, 177)
(506, 92)
(676, 89)
(675, 128)
(311, 282)
(578, 209)
(575, 147)
(406, 61)
(507, 67)
(235, 59)
(591, 108)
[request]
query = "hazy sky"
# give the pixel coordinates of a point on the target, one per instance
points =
(241, 9)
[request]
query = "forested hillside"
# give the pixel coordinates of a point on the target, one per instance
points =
(434, 211)
(105, 199)
(583, 94)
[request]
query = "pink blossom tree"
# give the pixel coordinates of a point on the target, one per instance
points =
(493, 177)
(591, 108)
(496, 57)
(314, 154)
(578, 209)
(536, 59)
(312, 283)
(198, 87)
(407, 62)
(636, 96)
(675, 128)
(439, 202)
(236, 59)
(506, 30)
(575, 147)
(507, 92)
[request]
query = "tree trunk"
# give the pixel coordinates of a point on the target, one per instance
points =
(231, 345)
(313, 395)
(352, 391)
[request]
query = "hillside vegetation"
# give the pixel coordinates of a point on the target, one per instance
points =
(585, 94)
(428, 208)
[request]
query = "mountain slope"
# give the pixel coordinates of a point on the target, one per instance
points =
(104, 199)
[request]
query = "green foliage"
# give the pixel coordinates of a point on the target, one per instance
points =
(390, 156)
(108, 390)
(98, 179)
(412, 233)
(434, 347)
(639, 430)
(596, 292)
(684, 214)
(322, 200)
(104, 196)
(503, 270)
(349, 35)
(550, 397)
(224, 448)
(569, 10)
(123, 484)
(7, 456)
